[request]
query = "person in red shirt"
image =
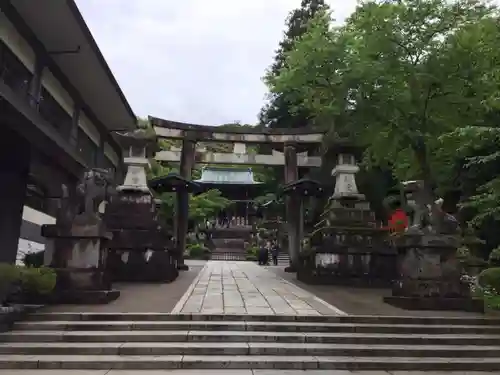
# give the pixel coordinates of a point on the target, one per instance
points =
(398, 221)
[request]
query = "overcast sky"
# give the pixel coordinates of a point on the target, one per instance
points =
(197, 61)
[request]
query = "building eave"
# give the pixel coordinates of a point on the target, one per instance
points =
(59, 26)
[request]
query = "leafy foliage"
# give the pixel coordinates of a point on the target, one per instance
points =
(486, 200)
(407, 80)
(277, 111)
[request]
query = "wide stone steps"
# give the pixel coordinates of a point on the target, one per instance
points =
(229, 243)
(245, 348)
(244, 319)
(228, 250)
(164, 341)
(200, 362)
(262, 336)
(299, 327)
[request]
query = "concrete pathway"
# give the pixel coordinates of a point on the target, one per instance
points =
(225, 287)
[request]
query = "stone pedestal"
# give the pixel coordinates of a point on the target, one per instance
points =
(429, 275)
(139, 250)
(79, 258)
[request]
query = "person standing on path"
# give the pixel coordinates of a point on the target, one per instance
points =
(263, 254)
(275, 252)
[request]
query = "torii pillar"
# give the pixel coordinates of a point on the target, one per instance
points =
(185, 171)
(293, 208)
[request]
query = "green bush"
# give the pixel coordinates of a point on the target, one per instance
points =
(40, 280)
(490, 278)
(252, 253)
(32, 281)
(198, 251)
(9, 275)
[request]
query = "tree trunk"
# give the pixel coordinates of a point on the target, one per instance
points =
(421, 155)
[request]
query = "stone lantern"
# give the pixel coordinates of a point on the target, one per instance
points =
(348, 247)
(345, 177)
(140, 246)
(346, 200)
(138, 147)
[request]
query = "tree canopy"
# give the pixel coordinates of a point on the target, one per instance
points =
(276, 112)
(408, 80)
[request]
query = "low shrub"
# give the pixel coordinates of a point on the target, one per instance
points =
(38, 281)
(22, 284)
(252, 253)
(198, 251)
(10, 275)
(489, 285)
(490, 278)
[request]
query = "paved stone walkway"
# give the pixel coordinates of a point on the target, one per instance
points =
(224, 287)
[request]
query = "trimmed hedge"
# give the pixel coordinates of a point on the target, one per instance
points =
(490, 277)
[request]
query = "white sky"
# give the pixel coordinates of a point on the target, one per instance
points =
(197, 61)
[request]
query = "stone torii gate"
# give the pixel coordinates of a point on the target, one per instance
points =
(290, 148)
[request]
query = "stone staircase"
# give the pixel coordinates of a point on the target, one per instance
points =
(229, 243)
(162, 341)
(228, 249)
(283, 259)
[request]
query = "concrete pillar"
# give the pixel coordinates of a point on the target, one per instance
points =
(14, 173)
(293, 209)
(186, 168)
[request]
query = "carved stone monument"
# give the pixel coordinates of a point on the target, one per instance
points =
(80, 237)
(429, 270)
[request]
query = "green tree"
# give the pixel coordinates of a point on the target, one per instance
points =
(202, 207)
(486, 199)
(276, 112)
(397, 77)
